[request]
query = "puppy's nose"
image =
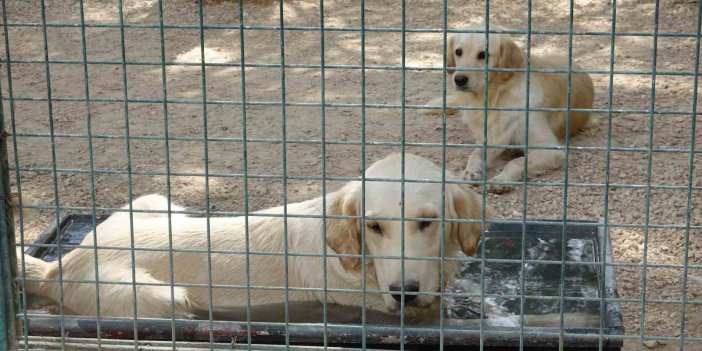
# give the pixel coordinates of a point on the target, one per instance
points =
(461, 80)
(410, 286)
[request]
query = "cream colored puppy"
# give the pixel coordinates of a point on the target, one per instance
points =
(508, 90)
(267, 236)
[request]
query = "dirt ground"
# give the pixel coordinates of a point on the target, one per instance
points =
(627, 205)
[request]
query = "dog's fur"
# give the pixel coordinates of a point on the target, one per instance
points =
(508, 89)
(265, 233)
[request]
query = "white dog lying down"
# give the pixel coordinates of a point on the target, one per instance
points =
(383, 237)
(305, 236)
(508, 90)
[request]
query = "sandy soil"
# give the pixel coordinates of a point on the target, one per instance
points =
(343, 86)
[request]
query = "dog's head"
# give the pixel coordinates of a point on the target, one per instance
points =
(468, 50)
(422, 237)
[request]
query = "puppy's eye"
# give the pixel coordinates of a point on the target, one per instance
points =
(375, 227)
(424, 225)
(459, 52)
(481, 55)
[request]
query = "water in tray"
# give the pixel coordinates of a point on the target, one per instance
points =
(540, 279)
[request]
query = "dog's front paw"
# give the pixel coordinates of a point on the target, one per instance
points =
(499, 188)
(496, 188)
(472, 174)
(437, 112)
(431, 112)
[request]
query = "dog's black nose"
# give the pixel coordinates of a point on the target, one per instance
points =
(410, 286)
(461, 80)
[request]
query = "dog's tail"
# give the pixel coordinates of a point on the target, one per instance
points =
(26, 212)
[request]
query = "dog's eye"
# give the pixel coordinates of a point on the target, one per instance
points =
(424, 225)
(459, 52)
(375, 227)
(481, 55)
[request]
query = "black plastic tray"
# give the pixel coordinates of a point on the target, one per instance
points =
(501, 241)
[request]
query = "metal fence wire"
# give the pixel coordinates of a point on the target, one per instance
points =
(30, 60)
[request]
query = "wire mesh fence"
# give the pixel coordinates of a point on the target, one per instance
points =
(230, 108)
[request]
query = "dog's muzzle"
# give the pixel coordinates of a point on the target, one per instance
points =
(411, 286)
(460, 81)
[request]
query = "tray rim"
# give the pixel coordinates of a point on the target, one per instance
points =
(613, 317)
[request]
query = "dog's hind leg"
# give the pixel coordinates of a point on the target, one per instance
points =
(118, 291)
(153, 297)
(539, 161)
(474, 167)
(154, 202)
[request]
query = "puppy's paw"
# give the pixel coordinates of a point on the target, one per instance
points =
(499, 188)
(431, 112)
(437, 112)
(449, 112)
(474, 174)
(496, 188)
(437, 103)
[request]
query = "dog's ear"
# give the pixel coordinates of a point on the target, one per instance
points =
(465, 204)
(450, 60)
(344, 235)
(511, 56)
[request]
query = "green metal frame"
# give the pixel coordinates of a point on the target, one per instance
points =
(12, 318)
(9, 299)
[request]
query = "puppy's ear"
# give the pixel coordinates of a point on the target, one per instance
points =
(450, 60)
(511, 56)
(465, 204)
(344, 235)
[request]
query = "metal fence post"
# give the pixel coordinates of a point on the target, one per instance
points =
(8, 292)
(11, 322)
